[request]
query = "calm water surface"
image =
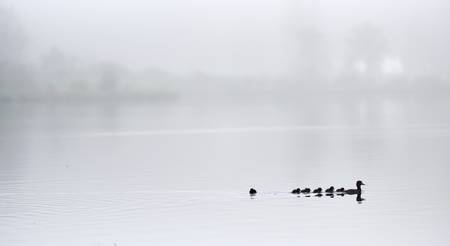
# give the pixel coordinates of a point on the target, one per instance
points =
(178, 173)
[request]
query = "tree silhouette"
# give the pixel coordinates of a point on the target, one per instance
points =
(12, 37)
(367, 47)
(12, 45)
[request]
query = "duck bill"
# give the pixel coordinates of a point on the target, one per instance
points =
(362, 183)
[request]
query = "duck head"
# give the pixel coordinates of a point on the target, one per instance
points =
(359, 183)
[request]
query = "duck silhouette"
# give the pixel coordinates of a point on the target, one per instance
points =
(318, 190)
(358, 189)
(252, 191)
(330, 190)
(296, 191)
(340, 189)
(306, 190)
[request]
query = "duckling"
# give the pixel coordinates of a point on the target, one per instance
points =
(358, 189)
(330, 190)
(318, 190)
(296, 191)
(252, 191)
(306, 190)
(340, 189)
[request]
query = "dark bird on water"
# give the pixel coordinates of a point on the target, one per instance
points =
(252, 191)
(330, 190)
(340, 189)
(318, 190)
(358, 189)
(306, 190)
(296, 191)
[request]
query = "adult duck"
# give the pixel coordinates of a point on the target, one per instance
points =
(358, 189)
(252, 191)
(318, 190)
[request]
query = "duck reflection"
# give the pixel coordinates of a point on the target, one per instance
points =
(359, 199)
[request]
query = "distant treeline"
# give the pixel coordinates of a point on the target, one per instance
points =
(56, 75)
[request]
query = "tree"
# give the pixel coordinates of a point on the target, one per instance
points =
(313, 58)
(367, 48)
(13, 73)
(12, 37)
(110, 75)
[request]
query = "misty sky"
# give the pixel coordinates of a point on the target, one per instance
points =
(230, 37)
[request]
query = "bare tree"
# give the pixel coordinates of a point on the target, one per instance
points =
(13, 73)
(367, 47)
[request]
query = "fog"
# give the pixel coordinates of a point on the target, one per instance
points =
(133, 122)
(180, 47)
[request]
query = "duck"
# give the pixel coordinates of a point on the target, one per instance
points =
(252, 191)
(318, 190)
(358, 189)
(296, 191)
(306, 190)
(330, 190)
(340, 189)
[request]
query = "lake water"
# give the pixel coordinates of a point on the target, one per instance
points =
(178, 173)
